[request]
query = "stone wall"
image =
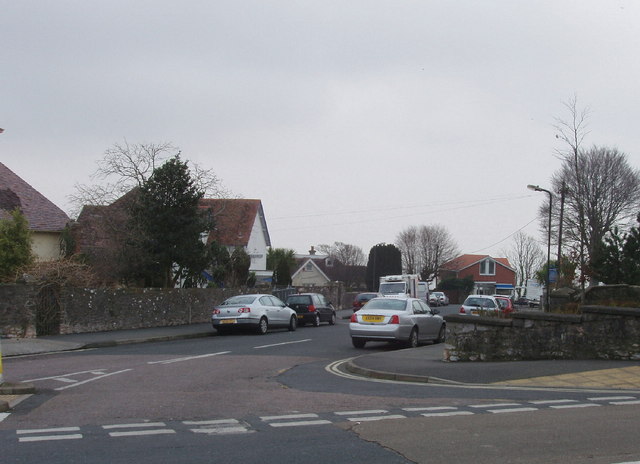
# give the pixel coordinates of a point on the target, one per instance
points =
(82, 310)
(94, 310)
(600, 332)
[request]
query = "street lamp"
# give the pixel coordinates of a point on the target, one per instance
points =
(538, 189)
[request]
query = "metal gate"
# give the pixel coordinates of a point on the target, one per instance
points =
(48, 310)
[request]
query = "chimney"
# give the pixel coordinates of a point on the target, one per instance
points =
(312, 251)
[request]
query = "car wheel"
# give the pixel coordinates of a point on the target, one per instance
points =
(293, 323)
(263, 326)
(332, 321)
(358, 342)
(441, 334)
(413, 338)
(316, 320)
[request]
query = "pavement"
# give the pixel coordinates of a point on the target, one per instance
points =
(423, 364)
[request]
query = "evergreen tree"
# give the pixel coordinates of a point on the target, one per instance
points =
(15, 245)
(617, 259)
(240, 262)
(168, 226)
(383, 260)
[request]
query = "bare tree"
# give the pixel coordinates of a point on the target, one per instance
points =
(126, 166)
(349, 255)
(572, 132)
(602, 193)
(526, 256)
(408, 241)
(436, 247)
(425, 248)
(349, 261)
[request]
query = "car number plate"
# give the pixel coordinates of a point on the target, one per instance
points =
(367, 318)
(475, 313)
(228, 321)
(300, 316)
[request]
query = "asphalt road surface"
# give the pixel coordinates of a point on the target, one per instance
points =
(283, 397)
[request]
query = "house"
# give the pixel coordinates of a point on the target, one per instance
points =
(314, 270)
(491, 276)
(241, 223)
(237, 223)
(46, 220)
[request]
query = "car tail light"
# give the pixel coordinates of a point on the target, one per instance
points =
(216, 311)
(394, 319)
(312, 309)
(244, 310)
(462, 310)
(354, 318)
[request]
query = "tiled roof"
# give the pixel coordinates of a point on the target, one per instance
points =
(42, 214)
(464, 261)
(234, 219)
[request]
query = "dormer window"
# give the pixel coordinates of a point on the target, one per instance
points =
(308, 266)
(328, 262)
(488, 267)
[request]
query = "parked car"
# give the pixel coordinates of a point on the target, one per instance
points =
(361, 299)
(312, 308)
(476, 304)
(405, 320)
(433, 299)
(506, 305)
(443, 300)
(259, 312)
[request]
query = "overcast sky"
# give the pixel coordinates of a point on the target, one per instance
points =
(350, 120)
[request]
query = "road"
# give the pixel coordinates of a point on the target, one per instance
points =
(283, 397)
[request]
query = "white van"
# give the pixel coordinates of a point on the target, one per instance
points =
(423, 291)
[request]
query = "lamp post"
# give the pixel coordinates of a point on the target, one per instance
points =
(537, 188)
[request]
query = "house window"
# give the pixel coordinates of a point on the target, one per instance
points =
(308, 267)
(329, 262)
(488, 267)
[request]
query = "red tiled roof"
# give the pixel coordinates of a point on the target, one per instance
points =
(234, 219)
(464, 261)
(42, 214)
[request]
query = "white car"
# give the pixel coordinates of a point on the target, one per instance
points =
(477, 304)
(443, 300)
(259, 312)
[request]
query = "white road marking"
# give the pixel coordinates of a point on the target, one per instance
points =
(507, 410)
(375, 418)
(289, 416)
(141, 425)
(280, 344)
(334, 368)
(611, 398)
(494, 405)
(44, 434)
(187, 358)
(445, 414)
(133, 426)
(218, 426)
(578, 405)
(434, 408)
(300, 423)
(3, 416)
(75, 436)
(56, 377)
(541, 402)
(52, 430)
(77, 384)
(622, 403)
(135, 433)
(351, 413)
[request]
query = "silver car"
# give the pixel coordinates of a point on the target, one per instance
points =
(406, 320)
(477, 305)
(259, 312)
